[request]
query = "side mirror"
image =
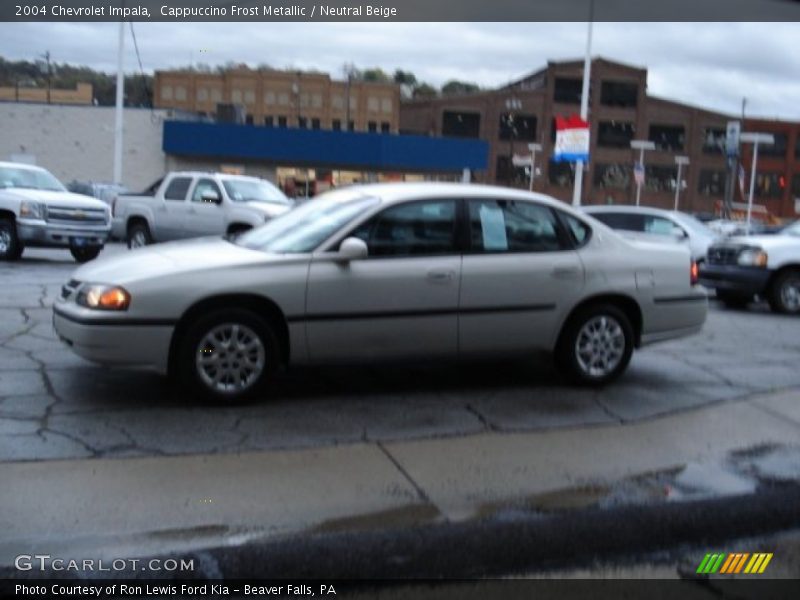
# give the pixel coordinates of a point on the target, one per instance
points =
(352, 248)
(678, 233)
(211, 197)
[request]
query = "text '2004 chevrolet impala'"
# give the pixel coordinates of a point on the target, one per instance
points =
(385, 272)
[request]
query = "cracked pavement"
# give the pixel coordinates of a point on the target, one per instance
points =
(55, 405)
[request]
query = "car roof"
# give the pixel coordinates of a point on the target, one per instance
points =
(627, 208)
(215, 174)
(21, 166)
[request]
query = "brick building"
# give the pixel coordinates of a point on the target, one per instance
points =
(620, 110)
(291, 99)
(82, 94)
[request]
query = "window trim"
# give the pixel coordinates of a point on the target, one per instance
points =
(189, 187)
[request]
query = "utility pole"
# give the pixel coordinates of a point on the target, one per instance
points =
(46, 56)
(587, 65)
(119, 103)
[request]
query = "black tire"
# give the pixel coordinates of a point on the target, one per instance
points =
(784, 292)
(139, 235)
(568, 358)
(10, 246)
(196, 378)
(85, 254)
(733, 299)
(236, 230)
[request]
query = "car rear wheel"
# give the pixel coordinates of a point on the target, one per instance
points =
(139, 235)
(596, 345)
(733, 299)
(784, 293)
(227, 356)
(10, 246)
(85, 254)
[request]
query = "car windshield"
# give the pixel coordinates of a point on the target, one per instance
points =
(34, 179)
(253, 190)
(306, 227)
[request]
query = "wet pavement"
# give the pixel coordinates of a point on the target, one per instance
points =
(54, 405)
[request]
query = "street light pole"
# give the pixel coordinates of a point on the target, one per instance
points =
(534, 148)
(119, 106)
(587, 66)
(641, 146)
(755, 139)
(680, 161)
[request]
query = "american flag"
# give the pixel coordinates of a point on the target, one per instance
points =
(740, 175)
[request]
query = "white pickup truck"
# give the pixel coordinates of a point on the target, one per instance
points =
(768, 266)
(189, 204)
(36, 210)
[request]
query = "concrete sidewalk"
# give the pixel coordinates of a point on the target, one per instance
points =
(144, 506)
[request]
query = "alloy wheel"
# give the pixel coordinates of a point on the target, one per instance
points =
(600, 346)
(230, 358)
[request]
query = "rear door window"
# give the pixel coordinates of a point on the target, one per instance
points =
(178, 188)
(512, 226)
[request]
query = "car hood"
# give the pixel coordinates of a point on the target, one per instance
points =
(55, 199)
(163, 260)
(270, 209)
(764, 241)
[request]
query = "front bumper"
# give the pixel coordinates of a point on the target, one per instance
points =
(733, 278)
(113, 339)
(46, 235)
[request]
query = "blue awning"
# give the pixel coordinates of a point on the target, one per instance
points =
(324, 148)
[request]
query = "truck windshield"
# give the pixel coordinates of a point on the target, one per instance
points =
(253, 190)
(34, 179)
(305, 228)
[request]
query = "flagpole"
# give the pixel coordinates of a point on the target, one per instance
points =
(587, 65)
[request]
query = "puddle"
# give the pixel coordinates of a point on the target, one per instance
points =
(395, 518)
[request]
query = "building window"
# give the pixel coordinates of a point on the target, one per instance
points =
(769, 185)
(619, 94)
(336, 124)
(270, 98)
(615, 134)
(386, 105)
(714, 140)
(353, 102)
(506, 172)
(351, 126)
(166, 92)
(316, 101)
(337, 102)
(778, 149)
(269, 121)
(248, 119)
(561, 174)
(612, 176)
(372, 127)
(385, 127)
(216, 95)
(180, 93)
(249, 97)
(517, 127)
(461, 124)
(282, 122)
(711, 183)
(283, 99)
(373, 104)
(797, 146)
(202, 94)
(667, 137)
(236, 96)
(660, 178)
(304, 100)
(567, 91)
(302, 122)
(796, 184)
(314, 123)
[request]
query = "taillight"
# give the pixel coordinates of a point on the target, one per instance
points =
(694, 273)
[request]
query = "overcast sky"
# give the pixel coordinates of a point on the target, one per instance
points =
(711, 65)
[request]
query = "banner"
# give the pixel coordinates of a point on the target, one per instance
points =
(572, 140)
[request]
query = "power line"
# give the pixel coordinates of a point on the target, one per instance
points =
(141, 68)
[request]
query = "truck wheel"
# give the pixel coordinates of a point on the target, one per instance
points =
(596, 345)
(139, 235)
(10, 246)
(784, 293)
(86, 254)
(228, 355)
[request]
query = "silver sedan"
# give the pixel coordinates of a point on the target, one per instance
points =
(385, 272)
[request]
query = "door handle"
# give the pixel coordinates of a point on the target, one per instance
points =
(565, 272)
(441, 276)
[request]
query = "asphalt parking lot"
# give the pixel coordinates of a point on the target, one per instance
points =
(54, 405)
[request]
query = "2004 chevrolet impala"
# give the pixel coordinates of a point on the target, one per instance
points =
(387, 272)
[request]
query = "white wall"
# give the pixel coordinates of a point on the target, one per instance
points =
(77, 142)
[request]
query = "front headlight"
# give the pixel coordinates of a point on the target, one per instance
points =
(103, 297)
(752, 257)
(32, 210)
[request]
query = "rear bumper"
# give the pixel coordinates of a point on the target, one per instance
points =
(733, 278)
(672, 317)
(46, 235)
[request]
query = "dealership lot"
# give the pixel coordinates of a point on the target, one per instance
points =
(54, 405)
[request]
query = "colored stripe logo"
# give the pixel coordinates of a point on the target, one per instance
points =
(734, 563)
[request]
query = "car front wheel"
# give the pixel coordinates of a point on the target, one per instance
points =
(228, 355)
(10, 246)
(139, 235)
(85, 254)
(784, 293)
(596, 345)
